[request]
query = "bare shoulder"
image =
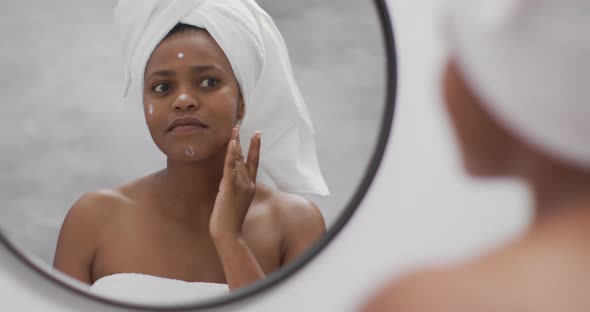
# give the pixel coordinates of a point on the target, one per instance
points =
(293, 212)
(542, 271)
(432, 290)
(80, 233)
(92, 208)
(495, 282)
(299, 220)
(90, 213)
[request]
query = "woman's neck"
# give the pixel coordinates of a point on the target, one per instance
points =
(557, 187)
(188, 189)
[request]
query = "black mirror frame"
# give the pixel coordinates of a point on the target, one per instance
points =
(287, 271)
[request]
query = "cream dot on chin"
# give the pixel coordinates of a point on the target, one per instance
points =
(190, 151)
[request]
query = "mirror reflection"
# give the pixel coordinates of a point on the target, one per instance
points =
(243, 131)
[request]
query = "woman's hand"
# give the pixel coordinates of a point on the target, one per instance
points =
(236, 189)
(235, 195)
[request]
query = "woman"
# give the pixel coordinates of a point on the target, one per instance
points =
(202, 69)
(516, 90)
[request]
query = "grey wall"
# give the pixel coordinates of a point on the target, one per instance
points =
(66, 129)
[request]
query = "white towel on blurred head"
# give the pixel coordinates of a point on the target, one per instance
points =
(529, 60)
(259, 59)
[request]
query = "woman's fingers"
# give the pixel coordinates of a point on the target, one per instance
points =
(234, 159)
(235, 134)
(241, 169)
(254, 155)
(238, 151)
(230, 164)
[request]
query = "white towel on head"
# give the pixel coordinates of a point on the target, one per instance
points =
(529, 60)
(258, 56)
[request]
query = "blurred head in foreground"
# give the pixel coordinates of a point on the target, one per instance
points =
(515, 85)
(516, 89)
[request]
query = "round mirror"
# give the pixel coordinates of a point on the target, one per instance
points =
(88, 192)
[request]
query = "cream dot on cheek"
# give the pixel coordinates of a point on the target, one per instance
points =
(180, 55)
(151, 109)
(183, 97)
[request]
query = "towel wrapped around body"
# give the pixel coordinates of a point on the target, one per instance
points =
(148, 289)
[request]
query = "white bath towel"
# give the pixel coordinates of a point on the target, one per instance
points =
(258, 56)
(529, 60)
(148, 289)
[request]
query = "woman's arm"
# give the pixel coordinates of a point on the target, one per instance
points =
(77, 242)
(236, 192)
(239, 263)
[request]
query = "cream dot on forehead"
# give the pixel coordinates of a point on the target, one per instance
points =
(180, 55)
(183, 97)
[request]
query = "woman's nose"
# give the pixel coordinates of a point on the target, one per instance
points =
(184, 102)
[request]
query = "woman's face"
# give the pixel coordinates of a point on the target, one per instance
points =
(487, 148)
(191, 97)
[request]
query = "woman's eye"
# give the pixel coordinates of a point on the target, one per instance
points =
(161, 87)
(209, 83)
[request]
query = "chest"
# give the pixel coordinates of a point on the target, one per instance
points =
(155, 247)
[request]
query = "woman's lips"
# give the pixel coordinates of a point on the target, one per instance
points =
(186, 125)
(185, 129)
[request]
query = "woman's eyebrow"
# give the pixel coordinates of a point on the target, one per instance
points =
(194, 69)
(204, 68)
(165, 73)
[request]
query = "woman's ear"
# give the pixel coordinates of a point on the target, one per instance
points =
(241, 109)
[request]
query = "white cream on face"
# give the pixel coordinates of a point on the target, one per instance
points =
(180, 55)
(183, 97)
(151, 109)
(190, 151)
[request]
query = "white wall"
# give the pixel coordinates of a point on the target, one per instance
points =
(420, 209)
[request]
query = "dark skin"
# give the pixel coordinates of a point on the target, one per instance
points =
(204, 217)
(546, 269)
